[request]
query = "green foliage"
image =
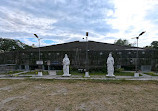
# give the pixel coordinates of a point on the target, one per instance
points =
(122, 42)
(97, 73)
(60, 72)
(94, 72)
(118, 70)
(10, 45)
(154, 44)
(124, 74)
(13, 72)
(116, 73)
(151, 73)
(35, 72)
(16, 75)
(148, 47)
(73, 69)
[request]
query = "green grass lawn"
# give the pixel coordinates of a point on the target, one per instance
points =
(79, 73)
(116, 73)
(12, 72)
(71, 72)
(151, 73)
(78, 95)
(124, 74)
(35, 72)
(98, 73)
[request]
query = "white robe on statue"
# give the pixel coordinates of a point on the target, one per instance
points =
(110, 66)
(66, 63)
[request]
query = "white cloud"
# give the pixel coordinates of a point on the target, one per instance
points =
(68, 20)
(130, 19)
(20, 21)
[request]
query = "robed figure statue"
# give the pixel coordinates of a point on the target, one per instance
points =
(66, 63)
(110, 65)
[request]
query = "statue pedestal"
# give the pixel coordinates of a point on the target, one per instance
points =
(40, 74)
(110, 75)
(52, 72)
(66, 75)
(87, 74)
(136, 74)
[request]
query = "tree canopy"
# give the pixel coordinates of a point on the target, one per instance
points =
(154, 44)
(122, 42)
(11, 44)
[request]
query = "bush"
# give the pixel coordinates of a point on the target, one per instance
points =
(118, 70)
(13, 72)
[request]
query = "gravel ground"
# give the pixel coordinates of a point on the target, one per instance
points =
(78, 95)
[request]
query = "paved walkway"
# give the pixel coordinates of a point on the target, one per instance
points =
(20, 73)
(81, 77)
(145, 75)
(10, 75)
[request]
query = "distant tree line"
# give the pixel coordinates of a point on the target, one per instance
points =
(122, 42)
(125, 42)
(154, 45)
(11, 44)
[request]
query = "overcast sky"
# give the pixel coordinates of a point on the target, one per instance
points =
(59, 21)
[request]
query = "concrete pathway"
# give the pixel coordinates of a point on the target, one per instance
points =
(79, 77)
(19, 73)
(9, 75)
(145, 75)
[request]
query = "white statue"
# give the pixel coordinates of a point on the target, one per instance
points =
(66, 63)
(110, 67)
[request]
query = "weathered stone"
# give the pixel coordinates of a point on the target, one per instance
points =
(66, 63)
(110, 67)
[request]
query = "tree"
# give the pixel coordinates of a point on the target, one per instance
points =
(122, 42)
(147, 47)
(154, 44)
(11, 44)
